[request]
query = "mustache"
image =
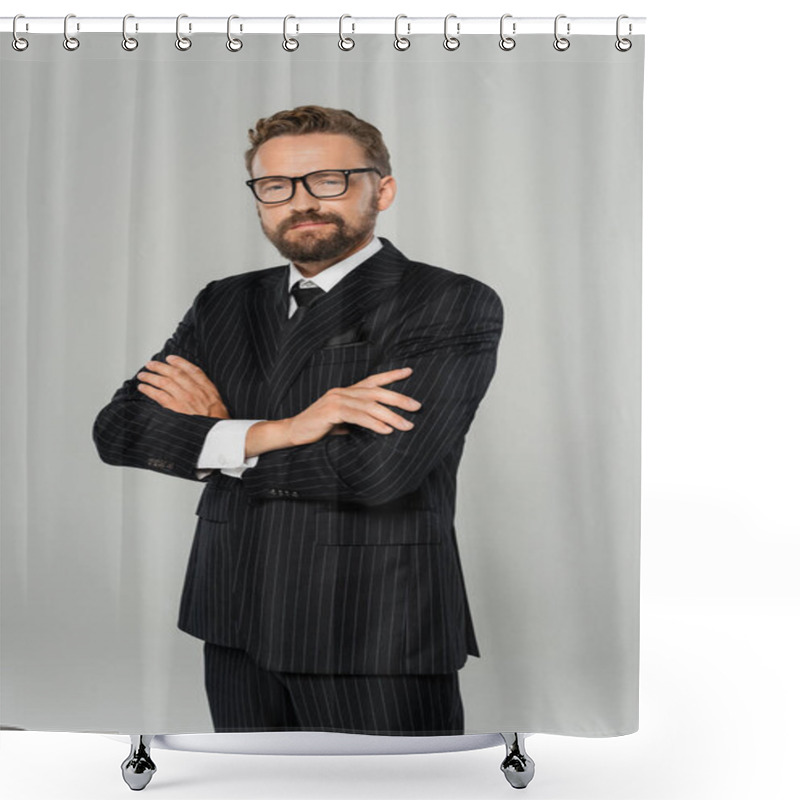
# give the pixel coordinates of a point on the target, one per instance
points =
(299, 219)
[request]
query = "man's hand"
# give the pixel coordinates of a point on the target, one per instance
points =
(181, 386)
(364, 404)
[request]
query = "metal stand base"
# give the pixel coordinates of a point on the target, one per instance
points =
(138, 768)
(517, 766)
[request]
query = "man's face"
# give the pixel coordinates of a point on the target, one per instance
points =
(311, 232)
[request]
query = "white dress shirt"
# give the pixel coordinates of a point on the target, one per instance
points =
(223, 448)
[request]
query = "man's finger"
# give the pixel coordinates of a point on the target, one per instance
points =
(390, 398)
(164, 399)
(379, 395)
(366, 420)
(168, 370)
(186, 381)
(378, 412)
(154, 379)
(184, 365)
(172, 370)
(193, 371)
(163, 382)
(382, 378)
(190, 392)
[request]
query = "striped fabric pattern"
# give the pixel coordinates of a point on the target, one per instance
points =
(337, 557)
(244, 698)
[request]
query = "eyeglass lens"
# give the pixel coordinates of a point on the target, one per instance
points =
(320, 184)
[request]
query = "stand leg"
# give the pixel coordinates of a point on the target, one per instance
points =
(517, 766)
(138, 768)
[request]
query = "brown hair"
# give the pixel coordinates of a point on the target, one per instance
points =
(316, 119)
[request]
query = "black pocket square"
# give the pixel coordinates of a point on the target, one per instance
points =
(350, 336)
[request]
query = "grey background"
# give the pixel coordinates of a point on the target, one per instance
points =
(122, 196)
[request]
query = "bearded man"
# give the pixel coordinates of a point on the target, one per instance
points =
(324, 403)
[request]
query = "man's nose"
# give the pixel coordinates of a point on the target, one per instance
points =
(303, 200)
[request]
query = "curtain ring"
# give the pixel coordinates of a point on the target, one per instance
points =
(507, 42)
(400, 42)
(129, 43)
(70, 42)
(345, 42)
(233, 44)
(18, 43)
(289, 44)
(182, 42)
(561, 43)
(623, 45)
(451, 42)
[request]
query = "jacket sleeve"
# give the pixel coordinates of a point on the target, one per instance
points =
(451, 343)
(135, 431)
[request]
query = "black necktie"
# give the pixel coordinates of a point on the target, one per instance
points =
(305, 297)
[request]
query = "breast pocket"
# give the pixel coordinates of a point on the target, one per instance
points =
(341, 365)
(349, 351)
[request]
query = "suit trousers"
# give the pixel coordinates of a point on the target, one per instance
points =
(245, 698)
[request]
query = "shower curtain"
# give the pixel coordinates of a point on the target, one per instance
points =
(123, 195)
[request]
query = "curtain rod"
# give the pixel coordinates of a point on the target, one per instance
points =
(513, 26)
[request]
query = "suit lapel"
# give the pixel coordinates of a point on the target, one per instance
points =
(267, 310)
(341, 308)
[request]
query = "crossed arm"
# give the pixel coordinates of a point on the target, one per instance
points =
(443, 359)
(180, 386)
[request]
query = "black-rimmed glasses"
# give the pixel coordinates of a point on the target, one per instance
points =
(322, 184)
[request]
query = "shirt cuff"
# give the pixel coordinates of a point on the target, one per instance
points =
(223, 449)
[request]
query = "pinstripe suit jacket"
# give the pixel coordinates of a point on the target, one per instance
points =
(338, 556)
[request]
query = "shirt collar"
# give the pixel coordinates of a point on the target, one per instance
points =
(330, 276)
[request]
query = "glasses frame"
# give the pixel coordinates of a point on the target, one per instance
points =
(304, 180)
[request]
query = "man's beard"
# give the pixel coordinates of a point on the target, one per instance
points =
(314, 246)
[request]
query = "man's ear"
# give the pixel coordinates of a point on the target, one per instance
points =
(387, 190)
